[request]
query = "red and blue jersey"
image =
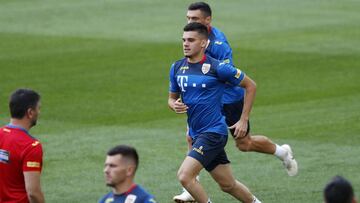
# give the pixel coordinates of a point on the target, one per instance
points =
(201, 86)
(219, 48)
(19, 153)
(136, 194)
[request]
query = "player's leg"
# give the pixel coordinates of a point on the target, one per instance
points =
(187, 177)
(222, 174)
(259, 143)
(185, 196)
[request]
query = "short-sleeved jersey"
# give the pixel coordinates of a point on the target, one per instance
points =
(219, 48)
(201, 87)
(19, 152)
(136, 194)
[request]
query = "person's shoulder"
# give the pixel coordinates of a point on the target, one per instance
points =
(145, 195)
(215, 62)
(219, 35)
(107, 198)
(180, 61)
(178, 64)
(21, 136)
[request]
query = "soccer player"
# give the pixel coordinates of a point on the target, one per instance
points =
(219, 48)
(197, 83)
(120, 167)
(20, 153)
(339, 190)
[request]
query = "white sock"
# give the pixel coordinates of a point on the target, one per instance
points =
(280, 152)
(209, 201)
(256, 200)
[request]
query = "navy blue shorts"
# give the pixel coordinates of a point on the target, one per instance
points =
(208, 149)
(232, 113)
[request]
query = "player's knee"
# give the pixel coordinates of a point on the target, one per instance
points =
(183, 178)
(227, 187)
(243, 146)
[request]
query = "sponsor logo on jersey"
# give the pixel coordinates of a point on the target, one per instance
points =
(130, 198)
(218, 42)
(238, 73)
(33, 164)
(199, 150)
(184, 68)
(182, 82)
(205, 68)
(6, 130)
(152, 200)
(4, 156)
(226, 61)
(35, 143)
(109, 200)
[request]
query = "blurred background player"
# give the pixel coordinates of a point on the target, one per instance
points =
(120, 167)
(233, 99)
(199, 80)
(339, 190)
(20, 153)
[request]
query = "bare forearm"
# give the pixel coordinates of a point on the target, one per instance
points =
(171, 103)
(248, 101)
(36, 197)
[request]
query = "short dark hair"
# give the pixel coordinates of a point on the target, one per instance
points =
(202, 6)
(197, 27)
(338, 190)
(21, 100)
(126, 151)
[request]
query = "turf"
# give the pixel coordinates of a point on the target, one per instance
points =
(102, 70)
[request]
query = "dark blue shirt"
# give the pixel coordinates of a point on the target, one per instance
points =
(136, 194)
(219, 48)
(201, 86)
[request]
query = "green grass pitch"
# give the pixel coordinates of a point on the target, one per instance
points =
(102, 69)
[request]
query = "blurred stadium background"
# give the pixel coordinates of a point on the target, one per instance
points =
(102, 69)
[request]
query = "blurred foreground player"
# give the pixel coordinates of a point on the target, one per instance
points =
(120, 167)
(20, 153)
(339, 190)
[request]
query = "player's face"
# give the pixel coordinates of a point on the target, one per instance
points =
(198, 17)
(116, 170)
(34, 113)
(193, 43)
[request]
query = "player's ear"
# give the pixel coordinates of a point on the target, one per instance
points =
(208, 20)
(29, 112)
(203, 43)
(130, 171)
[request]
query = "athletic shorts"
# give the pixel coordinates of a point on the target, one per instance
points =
(208, 149)
(232, 113)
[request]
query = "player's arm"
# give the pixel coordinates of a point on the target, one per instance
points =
(233, 76)
(175, 103)
(33, 187)
(174, 100)
(250, 90)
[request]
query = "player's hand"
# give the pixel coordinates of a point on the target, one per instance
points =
(180, 107)
(240, 129)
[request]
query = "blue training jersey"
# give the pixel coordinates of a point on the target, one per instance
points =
(136, 194)
(201, 86)
(220, 49)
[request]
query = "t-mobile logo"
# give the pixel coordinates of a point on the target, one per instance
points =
(182, 82)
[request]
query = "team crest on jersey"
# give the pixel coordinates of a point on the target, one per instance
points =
(130, 199)
(205, 68)
(4, 156)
